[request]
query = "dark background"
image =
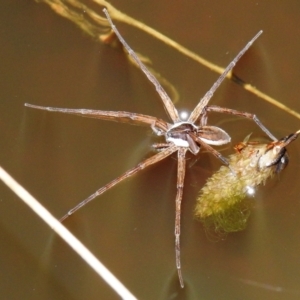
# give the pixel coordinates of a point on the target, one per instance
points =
(61, 159)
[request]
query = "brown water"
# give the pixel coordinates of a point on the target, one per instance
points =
(61, 159)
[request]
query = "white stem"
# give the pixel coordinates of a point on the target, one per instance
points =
(67, 236)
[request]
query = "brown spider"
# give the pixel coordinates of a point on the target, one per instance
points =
(180, 136)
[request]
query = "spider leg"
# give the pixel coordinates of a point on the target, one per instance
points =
(168, 104)
(160, 146)
(180, 184)
(147, 162)
(242, 114)
(117, 116)
(204, 101)
(210, 149)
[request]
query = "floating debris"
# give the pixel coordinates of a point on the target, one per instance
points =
(223, 203)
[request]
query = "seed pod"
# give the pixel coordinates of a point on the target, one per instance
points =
(223, 202)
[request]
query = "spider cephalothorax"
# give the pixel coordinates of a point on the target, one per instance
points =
(186, 134)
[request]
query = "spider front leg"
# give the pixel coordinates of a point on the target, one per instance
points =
(117, 116)
(180, 184)
(168, 104)
(204, 101)
(241, 114)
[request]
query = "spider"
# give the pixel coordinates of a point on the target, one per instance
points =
(180, 136)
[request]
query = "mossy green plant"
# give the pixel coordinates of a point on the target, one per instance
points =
(224, 202)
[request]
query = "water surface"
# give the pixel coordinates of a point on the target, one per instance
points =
(61, 159)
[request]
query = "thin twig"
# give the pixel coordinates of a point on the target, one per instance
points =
(67, 236)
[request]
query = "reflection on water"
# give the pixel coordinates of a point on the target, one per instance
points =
(62, 159)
